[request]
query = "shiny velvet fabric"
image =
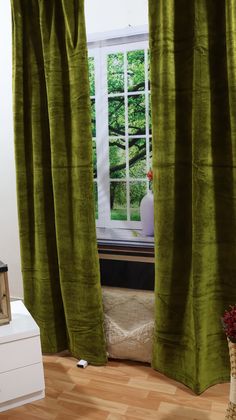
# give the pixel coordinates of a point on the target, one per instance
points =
(193, 89)
(53, 148)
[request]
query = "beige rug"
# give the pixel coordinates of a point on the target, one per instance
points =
(129, 323)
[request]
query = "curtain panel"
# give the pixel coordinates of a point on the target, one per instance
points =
(193, 88)
(53, 150)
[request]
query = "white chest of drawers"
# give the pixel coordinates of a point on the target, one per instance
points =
(21, 368)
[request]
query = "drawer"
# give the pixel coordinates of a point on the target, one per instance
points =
(21, 382)
(20, 353)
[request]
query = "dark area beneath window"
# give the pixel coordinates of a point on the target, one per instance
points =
(127, 274)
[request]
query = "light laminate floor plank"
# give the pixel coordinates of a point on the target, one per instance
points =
(118, 391)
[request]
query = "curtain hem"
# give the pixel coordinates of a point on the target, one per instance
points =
(187, 382)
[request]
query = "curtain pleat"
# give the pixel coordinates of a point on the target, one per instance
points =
(53, 150)
(193, 89)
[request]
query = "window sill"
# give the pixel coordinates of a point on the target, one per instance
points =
(124, 237)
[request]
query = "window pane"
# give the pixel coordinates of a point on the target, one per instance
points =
(94, 159)
(118, 201)
(136, 114)
(115, 73)
(96, 198)
(137, 158)
(91, 76)
(137, 192)
(93, 116)
(116, 109)
(150, 152)
(150, 115)
(136, 70)
(117, 158)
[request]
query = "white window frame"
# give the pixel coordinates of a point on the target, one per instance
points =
(99, 47)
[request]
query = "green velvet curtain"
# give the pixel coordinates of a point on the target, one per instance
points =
(53, 149)
(193, 88)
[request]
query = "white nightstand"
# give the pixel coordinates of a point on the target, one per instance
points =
(21, 368)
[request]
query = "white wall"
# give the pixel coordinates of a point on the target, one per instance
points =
(9, 239)
(101, 16)
(108, 15)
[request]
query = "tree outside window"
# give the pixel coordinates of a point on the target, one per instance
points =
(124, 95)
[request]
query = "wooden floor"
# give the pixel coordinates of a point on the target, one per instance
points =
(118, 391)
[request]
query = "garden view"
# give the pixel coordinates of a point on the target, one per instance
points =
(129, 130)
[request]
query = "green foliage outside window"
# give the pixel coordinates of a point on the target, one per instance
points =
(91, 76)
(126, 95)
(115, 73)
(136, 71)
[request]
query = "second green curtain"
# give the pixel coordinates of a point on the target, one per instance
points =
(53, 148)
(193, 87)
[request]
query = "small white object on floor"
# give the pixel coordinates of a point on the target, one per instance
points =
(82, 363)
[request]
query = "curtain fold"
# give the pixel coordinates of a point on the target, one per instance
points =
(193, 89)
(53, 150)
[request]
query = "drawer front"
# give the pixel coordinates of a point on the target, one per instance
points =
(20, 353)
(20, 382)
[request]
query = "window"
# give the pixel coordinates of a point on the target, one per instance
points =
(121, 128)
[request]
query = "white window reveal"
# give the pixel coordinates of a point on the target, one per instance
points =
(121, 127)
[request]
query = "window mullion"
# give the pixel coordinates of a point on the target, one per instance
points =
(126, 136)
(147, 112)
(102, 139)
